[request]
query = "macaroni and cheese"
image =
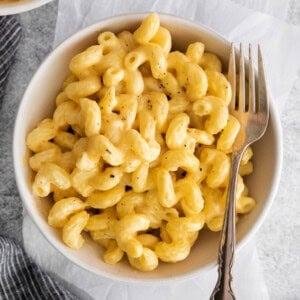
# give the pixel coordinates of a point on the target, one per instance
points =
(137, 153)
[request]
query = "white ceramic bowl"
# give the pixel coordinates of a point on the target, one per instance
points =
(38, 103)
(11, 8)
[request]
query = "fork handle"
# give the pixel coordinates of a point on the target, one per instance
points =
(223, 289)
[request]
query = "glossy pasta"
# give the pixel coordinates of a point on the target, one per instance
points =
(138, 150)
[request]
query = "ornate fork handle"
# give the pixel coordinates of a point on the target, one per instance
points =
(223, 289)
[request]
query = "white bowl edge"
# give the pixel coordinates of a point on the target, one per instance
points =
(20, 7)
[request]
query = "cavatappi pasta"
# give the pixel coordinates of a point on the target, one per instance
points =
(138, 150)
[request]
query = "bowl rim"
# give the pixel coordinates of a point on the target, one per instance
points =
(17, 8)
(21, 182)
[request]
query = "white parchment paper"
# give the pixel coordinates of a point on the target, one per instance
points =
(281, 46)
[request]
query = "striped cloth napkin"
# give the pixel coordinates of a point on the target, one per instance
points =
(20, 277)
(10, 34)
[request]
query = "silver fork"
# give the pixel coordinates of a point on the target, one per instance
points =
(253, 117)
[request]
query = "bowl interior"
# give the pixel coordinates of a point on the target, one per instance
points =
(38, 103)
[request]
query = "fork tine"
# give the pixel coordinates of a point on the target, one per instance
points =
(251, 79)
(232, 76)
(263, 102)
(241, 105)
